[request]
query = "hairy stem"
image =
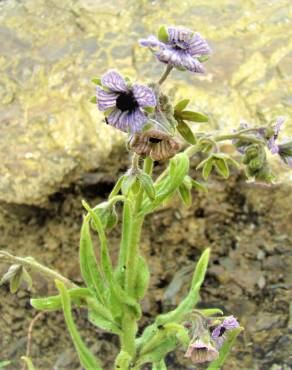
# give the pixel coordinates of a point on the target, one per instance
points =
(165, 74)
(30, 262)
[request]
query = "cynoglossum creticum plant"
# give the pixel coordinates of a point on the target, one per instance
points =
(158, 130)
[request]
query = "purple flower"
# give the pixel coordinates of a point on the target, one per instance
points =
(123, 103)
(285, 151)
(181, 48)
(200, 352)
(219, 333)
(273, 135)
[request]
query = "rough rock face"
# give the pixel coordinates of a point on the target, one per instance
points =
(50, 51)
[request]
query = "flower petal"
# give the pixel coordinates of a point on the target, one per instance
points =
(114, 81)
(180, 59)
(131, 122)
(144, 96)
(198, 46)
(151, 42)
(105, 99)
(179, 34)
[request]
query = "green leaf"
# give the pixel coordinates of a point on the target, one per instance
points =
(128, 184)
(97, 81)
(186, 132)
(207, 168)
(28, 362)
(4, 363)
(198, 185)
(90, 269)
(87, 359)
(93, 100)
(222, 168)
(123, 361)
(225, 349)
(116, 189)
(77, 295)
(149, 109)
(210, 311)
(143, 278)
(147, 184)
(194, 116)
(163, 34)
(166, 186)
(15, 281)
(181, 105)
(185, 195)
(192, 298)
(159, 365)
(101, 322)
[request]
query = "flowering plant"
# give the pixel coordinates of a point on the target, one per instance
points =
(157, 131)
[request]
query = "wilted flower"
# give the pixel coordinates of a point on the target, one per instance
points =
(285, 151)
(154, 143)
(180, 48)
(123, 103)
(219, 333)
(200, 352)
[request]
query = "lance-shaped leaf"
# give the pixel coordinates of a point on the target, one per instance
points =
(185, 191)
(206, 166)
(225, 349)
(186, 132)
(193, 116)
(89, 267)
(147, 184)
(116, 189)
(192, 298)
(143, 277)
(87, 359)
(77, 295)
(96, 81)
(222, 168)
(181, 105)
(103, 323)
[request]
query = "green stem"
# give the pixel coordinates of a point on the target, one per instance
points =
(165, 74)
(34, 265)
(239, 137)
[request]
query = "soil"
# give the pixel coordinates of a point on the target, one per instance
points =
(248, 228)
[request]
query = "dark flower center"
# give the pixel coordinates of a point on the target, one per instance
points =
(126, 101)
(222, 331)
(154, 140)
(180, 45)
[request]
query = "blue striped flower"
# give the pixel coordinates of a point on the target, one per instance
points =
(122, 103)
(179, 47)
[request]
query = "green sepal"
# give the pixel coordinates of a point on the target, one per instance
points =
(128, 184)
(143, 278)
(181, 105)
(193, 116)
(93, 100)
(86, 358)
(108, 112)
(186, 132)
(107, 214)
(147, 184)
(28, 362)
(199, 186)
(116, 189)
(52, 303)
(97, 81)
(203, 58)
(210, 311)
(225, 349)
(192, 298)
(149, 109)
(207, 165)
(162, 34)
